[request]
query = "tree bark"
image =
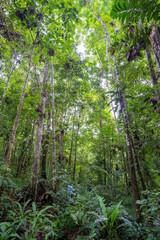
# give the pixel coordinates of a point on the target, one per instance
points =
(151, 66)
(155, 42)
(9, 155)
(37, 145)
(122, 150)
(75, 159)
(138, 167)
(29, 152)
(20, 162)
(70, 155)
(128, 137)
(45, 147)
(53, 133)
(154, 78)
(23, 152)
(101, 134)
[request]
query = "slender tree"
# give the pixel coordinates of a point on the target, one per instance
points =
(135, 190)
(155, 42)
(154, 78)
(9, 155)
(76, 143)
(71, 148)
(53, 133)
(29, 151)
(38, 138)
(101, 133)
(45, 146)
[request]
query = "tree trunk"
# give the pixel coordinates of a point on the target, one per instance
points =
(20, 162)
(101, 134)
(23, 152)
(128, 137)
(138, 167)
(70, 155)
(154, 78)
(53, 134)
(122, 150)
(45, 147)
(6, 146)
(134, 183)
(155, 42)
(29, 152)
(37, 145)
(118, 131)
(9, 155)
(75, 159)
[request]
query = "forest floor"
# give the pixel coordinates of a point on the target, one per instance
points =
(83, 217)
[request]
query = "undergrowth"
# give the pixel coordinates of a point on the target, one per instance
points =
(86, 216)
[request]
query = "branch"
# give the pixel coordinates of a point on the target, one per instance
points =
(98, 40)
(31, 35)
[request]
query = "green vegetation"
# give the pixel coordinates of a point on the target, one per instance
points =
(80, 105)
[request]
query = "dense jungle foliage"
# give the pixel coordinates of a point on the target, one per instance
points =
(80, 119)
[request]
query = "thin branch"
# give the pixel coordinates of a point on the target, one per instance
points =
(97, 40)
(31, 35)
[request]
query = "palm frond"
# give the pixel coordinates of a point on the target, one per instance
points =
(133, 10)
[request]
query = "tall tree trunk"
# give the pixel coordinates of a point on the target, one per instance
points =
(128, 137)
(75, 159)
(118, 130)
(9, 155)
(70, 155)
(20, 162)
(138, 167)
(45, 147)
(154, 78)
(155, 42)
(53, 133)
(23, 152)
(101, 133)
(37, 145)
(104, 162)
(6, 146)
(29, 152)
(122, 150)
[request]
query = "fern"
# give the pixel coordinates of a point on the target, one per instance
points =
(133, 10)
(103, 207)
(114, 215)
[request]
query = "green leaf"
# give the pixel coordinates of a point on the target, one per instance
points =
(34, 208)
(143, 17)
(43, 210)
(103, 207)
(114, 214)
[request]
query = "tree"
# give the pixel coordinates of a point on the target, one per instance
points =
(128, 136)
(38, 138)
(53, 131)
(9, 154)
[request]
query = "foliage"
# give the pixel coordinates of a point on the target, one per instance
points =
(150, 210)
(133, 10)
(7, 231)
(6, 183)
(89, 51)
(32, 219)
